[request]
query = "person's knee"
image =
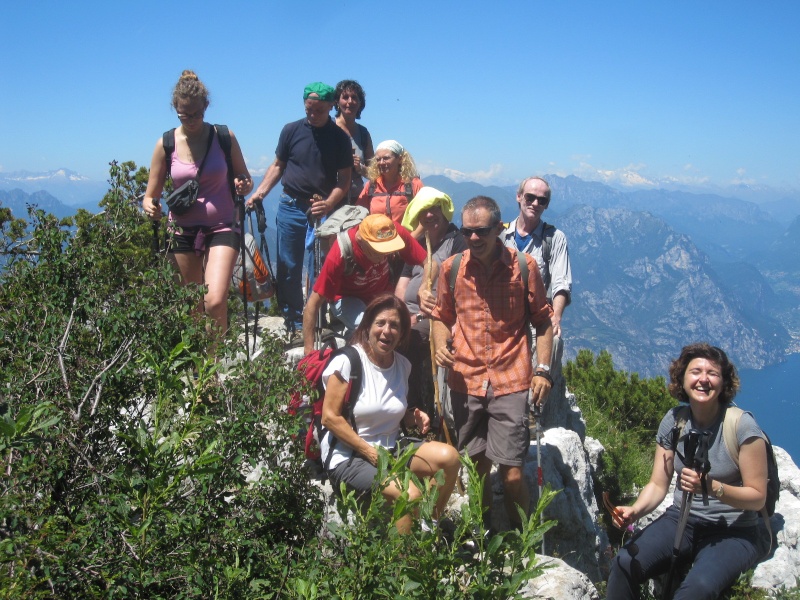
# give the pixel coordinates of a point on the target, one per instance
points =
(701, 584)
(513, 477)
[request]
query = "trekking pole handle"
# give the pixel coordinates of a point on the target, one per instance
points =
(261, 217)
(450, 345)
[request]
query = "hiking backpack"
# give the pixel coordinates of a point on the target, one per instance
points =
(346, 247)
(258, 282)
(407, 191)
(729, 427)
(312, 366)
(224, 137)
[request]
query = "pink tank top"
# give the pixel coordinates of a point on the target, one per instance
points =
(214, 206)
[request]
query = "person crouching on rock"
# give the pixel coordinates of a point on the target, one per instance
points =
(378, 411)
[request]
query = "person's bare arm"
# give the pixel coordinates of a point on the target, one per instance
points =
(271, 178)
(540, 386)
(333, 419)
(559, 304)
(310, 321)
(155, 183)
(325, 206)
(653, 493)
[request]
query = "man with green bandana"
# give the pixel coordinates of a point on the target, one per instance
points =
(313, 161)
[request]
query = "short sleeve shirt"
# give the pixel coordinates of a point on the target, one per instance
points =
(488, 318)
(723, 468)
(313, 157)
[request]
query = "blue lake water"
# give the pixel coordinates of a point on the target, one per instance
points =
(772, 394)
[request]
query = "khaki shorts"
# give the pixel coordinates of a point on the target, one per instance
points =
(497, 426)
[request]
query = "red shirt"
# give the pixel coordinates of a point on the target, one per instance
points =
(368, 280)
(491, 346)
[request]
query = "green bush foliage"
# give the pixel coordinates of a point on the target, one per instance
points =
(623, 411)
(124, 453)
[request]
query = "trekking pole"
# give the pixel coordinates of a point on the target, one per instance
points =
(459, 482)
(537, 415)
(696, 457)
(686, 504)
(243, 251)
(317, 269)
(434, 369)
(261, 220)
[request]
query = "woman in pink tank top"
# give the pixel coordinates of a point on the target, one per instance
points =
(205, 240)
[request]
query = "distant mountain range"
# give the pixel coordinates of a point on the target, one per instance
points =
(653, 269)
(71, 188)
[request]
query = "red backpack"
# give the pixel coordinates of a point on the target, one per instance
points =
(312, 366)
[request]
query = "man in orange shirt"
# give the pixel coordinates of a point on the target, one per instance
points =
(491, 376)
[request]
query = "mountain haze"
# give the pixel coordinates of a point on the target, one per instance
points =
(652, 269)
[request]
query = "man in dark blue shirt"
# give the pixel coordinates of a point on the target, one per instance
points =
(314, 161)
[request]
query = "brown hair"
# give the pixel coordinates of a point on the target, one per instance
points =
(349, 85)
(189, 87)
(677, 371)
(486, 203)
(387, 301)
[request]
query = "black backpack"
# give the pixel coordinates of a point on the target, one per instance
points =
(224, 137)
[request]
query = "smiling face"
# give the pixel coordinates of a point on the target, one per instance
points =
(702, 381)
(349, 103)
(388, 163)
(533, 200)
(433, 221)
(384, 334)
(317, 111)
(482, 247)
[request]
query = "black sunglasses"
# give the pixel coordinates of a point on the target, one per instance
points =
(531, 198)
(479, 231)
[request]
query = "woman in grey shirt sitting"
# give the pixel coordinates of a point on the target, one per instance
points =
(720, 537)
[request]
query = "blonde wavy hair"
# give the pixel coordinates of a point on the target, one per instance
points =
(408, 169)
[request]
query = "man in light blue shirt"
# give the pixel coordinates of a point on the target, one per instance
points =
(548, 245)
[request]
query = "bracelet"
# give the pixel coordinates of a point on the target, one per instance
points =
(544, 374)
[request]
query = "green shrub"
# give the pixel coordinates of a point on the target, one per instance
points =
(623, 412)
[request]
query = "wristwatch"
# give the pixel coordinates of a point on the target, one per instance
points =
(542, 367)
(720, 491)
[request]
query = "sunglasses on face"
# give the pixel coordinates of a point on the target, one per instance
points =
(191, 116)
(479, 231)
(531, 198)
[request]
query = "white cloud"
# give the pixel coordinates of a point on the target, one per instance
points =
(491, 176)
(741, 178)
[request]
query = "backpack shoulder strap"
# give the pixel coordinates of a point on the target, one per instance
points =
(168, 141)
(729, 428)
(356, 373)
(409, 191)
(454, 272)
(224, 137)
(547, 241)
(371, 189)
(524, 273)
(346, 248)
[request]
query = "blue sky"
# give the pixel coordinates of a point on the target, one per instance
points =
(685, 91)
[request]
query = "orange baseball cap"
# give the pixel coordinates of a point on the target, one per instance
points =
(380, 233)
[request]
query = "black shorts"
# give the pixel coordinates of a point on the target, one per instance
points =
(185, 242)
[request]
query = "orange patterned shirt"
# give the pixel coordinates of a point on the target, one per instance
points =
(487, 317)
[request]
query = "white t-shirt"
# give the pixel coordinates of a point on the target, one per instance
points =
(380, 406)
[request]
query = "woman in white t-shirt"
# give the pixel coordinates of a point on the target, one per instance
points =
(379, 410)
